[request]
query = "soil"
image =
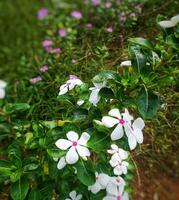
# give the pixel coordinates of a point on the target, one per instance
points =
(155, 185)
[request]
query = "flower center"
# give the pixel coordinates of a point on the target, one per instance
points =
(118, 197)
(117, 180)
(121, 121)
(74, 144)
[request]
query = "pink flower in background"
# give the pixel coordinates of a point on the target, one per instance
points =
(95, 2)
(108, 4)
(43, 68)
(35, 79)
(47, 43)
(42, 13)
(122, 17)
(89, 25)
(56, 51)
(76, 14)
(109, 29)
(62, 32)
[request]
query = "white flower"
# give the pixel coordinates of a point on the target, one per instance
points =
(115, 118)
(94, 96)
(77, 147)
(175, 19)
(135, 134)
(124, 196)
(126, 63)
(100, 184)
(120, 167)
(73, 196)
(80, 102)
(2, 89)
(167, 24)
(115, 186)
(115, 150)
(70, 84)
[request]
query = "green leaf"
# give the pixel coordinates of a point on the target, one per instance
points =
(142, 42)
(106, 93)
(19, 189)
(172, 41)
(79, 114)
(16, 107)
(148, 104)
(138, 58)
(35, 195)
(5, 167)
(106, 75)
(85, 173)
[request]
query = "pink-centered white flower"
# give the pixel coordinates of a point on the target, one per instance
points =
(70, 84)
(115, 150)
(124, 196)
(101, 183)
(3, 85)
(120, 166)
(121, 121)
(73, 196)
(76, 146)
(94, 96)
(115, 186)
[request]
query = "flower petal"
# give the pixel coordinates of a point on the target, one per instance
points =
(72, 136)
(83, 151)
(127, 117)
(62, 163)
(122, 153)
(73, 194)
(72, 156)
(63, 144)
(94, 96)
(139, 136)
(132, 141)
(117, 170)
(79, 197)
(125, 196)
(95, 188)
(84, 139)
(2, 93)
(3, 84)
(117, 132)
(109, 121)
(112, 188)
(115, 113)
(103, 179)
(138, 123)
(63, 89)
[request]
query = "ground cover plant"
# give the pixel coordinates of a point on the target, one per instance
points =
(72, 133)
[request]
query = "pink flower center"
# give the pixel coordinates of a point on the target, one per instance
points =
(118, 197)
(74, 144)
(117, 180)
(121, 121)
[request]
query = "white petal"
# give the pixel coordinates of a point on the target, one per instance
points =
(2, 93)
(109, 197)
(72, 156)
(112, 188)
(72, 136)
(113, 163)
(122, 153)
(78, 82)
(127, 117)
(73, 194)
(117, 132)
(94, 97)
(84, 139)
(63, 89)
(132, 141)
(115, 113)
(139, 136)
(175, 19)
(103, 179)
(62, 163)
(79, 197)
(124, 169)
(117, 170)
(80, 102)
(3, 84)
(95, 188)
(114, 146)
(125, 63)
(125, 196)
(83, 151)
(138, 123)
(128, 129)
(109, 121)
(167, 24)
(63, 144)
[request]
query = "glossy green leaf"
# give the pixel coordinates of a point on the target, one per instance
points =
(35, 195)
(106, 93)
(19, 189)
(142, 42)
(106, 75)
